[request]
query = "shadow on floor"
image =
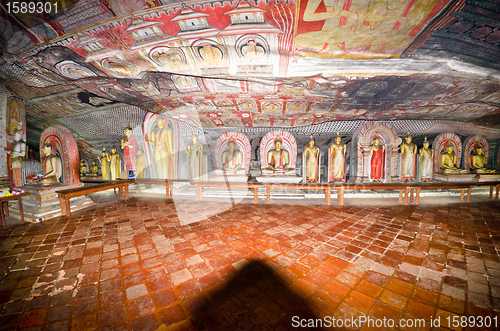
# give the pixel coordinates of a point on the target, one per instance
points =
(255, 298)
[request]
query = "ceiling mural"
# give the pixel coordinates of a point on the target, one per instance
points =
(251, 64)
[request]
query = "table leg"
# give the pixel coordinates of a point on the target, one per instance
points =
(327, 195)
(255, 195)
(406, 195)
(340, 195)
(120, 192)
(20, 208)
(491, 191)
(462, 195)
(469, 191)
(198, 193)
(126, 191)
(167, 190)
(417, 198)
(411, 195)
(400, 195)
(66, 204)
(498, 189)
(6, 208)
(2, 215)
(61, 203)
(268, 193)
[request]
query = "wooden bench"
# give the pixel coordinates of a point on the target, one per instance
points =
(248, 185)
(309, 186)
(168, 188)
(65, 195)
(4, 206)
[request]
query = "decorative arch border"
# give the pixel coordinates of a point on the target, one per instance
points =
(242, 143)
(267, 143)
(439, 145)
(470, 145)
(62, 140)
(363, 138)
(148, 125)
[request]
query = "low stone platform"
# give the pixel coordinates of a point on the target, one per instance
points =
(456, 177)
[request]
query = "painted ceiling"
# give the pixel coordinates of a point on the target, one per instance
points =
(95, 65)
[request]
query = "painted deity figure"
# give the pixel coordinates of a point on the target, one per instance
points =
(232, 158)
(162, 140)
(311, 155)
(51, 166)
(140, 162)
(195, 158)
(478, 161)
(129, 146)
(83, 168)
(94, 169)
(252, 51)
(14, 116)
(408, 153)
(448, 160)
(114, 164)
(377, 160)
(336, 155)
(278, 158)
(426, 160)
(211, 55)
(104, 161)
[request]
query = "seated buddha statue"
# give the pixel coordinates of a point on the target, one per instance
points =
(477, 162)
(278, 160)
(448, 160)
(51, 166)
(94, 169)
(232, 158)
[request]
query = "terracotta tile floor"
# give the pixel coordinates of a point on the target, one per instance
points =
(131, 265)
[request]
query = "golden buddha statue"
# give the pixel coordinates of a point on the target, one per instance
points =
(426, 159)
(104, 161)
(448, 160)
(140, 163)
(477, 162)
(163, 148)
(336, 154)
(408, 152)
(278, 158)
(51, 166)
(195, 158)
(377, 153)
(311, 155)
(94, 169)
(83, 168)
(114, 160)
(232, 158)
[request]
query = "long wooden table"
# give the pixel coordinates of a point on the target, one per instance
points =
(4, 206)
(165, 182)
(249, 185)
(65, 195)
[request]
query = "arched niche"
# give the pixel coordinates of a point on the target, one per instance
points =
(242, 143)
(439, 145)
(470, 145)
(64, 146)
(267, 143)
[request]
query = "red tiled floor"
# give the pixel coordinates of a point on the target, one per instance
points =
(131, 265)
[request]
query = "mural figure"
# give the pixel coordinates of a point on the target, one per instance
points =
(94, 169)
(252, 51)
(426, 159)
(312, 156)
(448, 159)
(232, 158)
(211, 55)
(195, 158)
(104, 161)
(408, 160)
(278, 158)
(51, 166)
(377, 160)
(336, 155)
(140, 162)
(14, 116)
(478, 160)
(129, 146)
(114, 164)
(162, 141)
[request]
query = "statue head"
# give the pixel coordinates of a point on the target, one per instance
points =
(93, 163)
(46, 149)
(376, 140)
(231, 145)
(160, 121)
(479, 150)
(338, 140)
(278, 144)
(127, 131)
(103, 153)
(449, 149)
(408, 139)
(113, 150)
(311, 142)
(194, 138)
(426, 144)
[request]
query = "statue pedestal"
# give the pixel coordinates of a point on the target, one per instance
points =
(494, 177)
(455, 177)
(43, 202)
(235, 176)
(279, 176)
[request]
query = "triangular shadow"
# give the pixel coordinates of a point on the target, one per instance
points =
(255, 298)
